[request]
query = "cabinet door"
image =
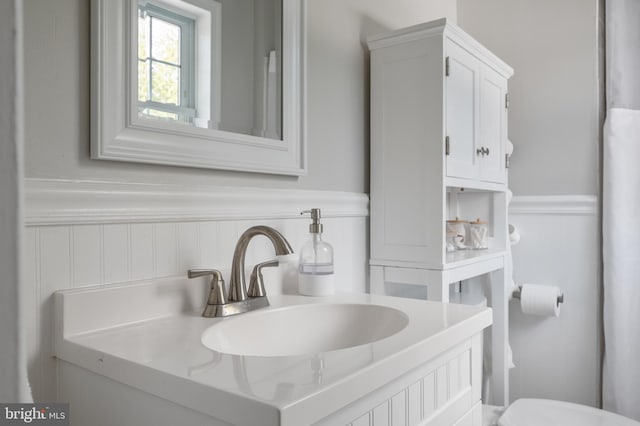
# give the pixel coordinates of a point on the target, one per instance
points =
(493, 125)
(461, 106)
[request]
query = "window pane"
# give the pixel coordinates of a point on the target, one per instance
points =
(143, 35)
(165, 41)
(143, 81)
(165, 83)
(163, 38)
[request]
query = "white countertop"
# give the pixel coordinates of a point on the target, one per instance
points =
(148, 335)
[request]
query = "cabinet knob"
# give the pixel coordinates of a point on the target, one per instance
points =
(486, 151)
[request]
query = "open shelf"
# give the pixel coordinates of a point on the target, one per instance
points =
(454, 260)
(474, 185)
(460, 258)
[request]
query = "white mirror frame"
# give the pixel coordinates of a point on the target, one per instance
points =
(118, 134)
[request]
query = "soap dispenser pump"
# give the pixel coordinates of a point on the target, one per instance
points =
(315, 270)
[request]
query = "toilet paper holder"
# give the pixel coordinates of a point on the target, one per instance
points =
(517, 294)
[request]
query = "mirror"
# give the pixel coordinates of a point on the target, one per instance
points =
(197, 69)
(200, 83)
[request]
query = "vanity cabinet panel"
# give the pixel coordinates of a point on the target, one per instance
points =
(419, 398)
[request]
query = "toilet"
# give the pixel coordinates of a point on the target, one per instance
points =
(544, 412)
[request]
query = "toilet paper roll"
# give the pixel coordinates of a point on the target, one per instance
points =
(538, 299)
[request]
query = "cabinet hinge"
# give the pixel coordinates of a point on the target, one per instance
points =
(446, 145)
(506, 101)
(446, 66)
(506, 161)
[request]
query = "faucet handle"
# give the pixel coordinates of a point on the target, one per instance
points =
(195, 273)
(217, 294)
(256, 283)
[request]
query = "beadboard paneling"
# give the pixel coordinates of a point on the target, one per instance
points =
(115, 252)
(557, 358)
(448, 383)
(96, 239)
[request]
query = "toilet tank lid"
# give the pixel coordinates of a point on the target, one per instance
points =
(539, 412)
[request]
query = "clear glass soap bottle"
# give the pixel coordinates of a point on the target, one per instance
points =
(315, 270)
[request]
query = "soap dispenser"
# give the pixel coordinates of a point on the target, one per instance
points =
(315, 270)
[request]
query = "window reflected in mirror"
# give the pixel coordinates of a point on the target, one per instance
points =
(166, 63)
(211, 64)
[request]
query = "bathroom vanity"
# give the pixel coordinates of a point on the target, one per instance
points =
(141, 354)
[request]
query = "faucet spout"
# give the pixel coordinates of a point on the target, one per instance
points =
(237, 284)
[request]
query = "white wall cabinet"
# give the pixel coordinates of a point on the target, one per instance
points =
(476, 105)
(438, 151)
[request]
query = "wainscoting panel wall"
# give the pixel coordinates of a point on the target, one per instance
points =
(95, 233)
(558, 358)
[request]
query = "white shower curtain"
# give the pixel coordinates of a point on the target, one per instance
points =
(621, 210)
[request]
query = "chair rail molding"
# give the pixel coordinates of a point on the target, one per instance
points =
(571, 205)
(68, 202)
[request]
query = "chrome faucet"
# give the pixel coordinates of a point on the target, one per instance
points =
(239, 300)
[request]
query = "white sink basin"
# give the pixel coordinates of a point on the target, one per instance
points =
(304, 329)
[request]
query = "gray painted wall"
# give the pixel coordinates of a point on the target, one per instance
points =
(57, 96)
(553, 120)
